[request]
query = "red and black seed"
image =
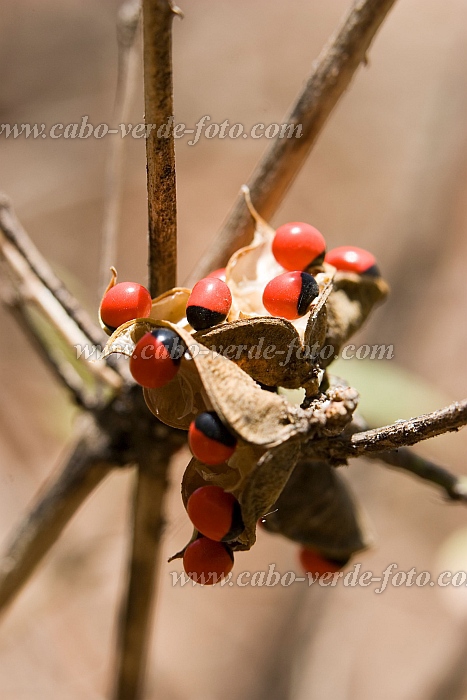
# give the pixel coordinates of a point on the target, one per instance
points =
(209, 303)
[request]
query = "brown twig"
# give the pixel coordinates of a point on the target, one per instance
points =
(62, 369)
(136, 618)
(152, 461)
(160, 152)
(55, 506)
(403, 458)
(14, 232)
(390, 437)
(128, 57)
(33, 292)
(331, 75)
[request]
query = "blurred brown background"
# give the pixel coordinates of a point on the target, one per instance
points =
(389, 173)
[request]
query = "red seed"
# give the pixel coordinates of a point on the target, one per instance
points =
(289, 295)
(353, 259)
(209, 439)
(124, 302)
(314, 563)
(215, 513)
(209, 303)
(220, 274)
(156, 358)
(297, 245)
(206, 561)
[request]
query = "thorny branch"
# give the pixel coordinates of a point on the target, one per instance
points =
(330, 77)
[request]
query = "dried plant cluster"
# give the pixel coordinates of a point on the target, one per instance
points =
(243, 392)
(287, 452)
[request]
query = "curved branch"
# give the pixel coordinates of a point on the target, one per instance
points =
(330, 77)
(404, 458)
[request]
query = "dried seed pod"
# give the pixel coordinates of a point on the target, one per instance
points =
(171, 306)
(268, 349)
(349, 305)
(317, 509)
(262, 487)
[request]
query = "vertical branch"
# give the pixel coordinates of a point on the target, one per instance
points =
(330, 77)
(136, 618)
(160, 152)
(152, 461)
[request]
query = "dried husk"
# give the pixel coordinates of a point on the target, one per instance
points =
(316, 509)
(256, 478)
(348, 306)
(262, 487)
(261, 347)
(171, 306)
(112, 283)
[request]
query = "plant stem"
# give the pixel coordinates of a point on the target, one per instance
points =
(160, 152)
(403, 458)
(277, 169)
(136, 615)
(390, 437)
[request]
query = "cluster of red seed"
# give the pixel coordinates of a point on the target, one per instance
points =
(216, 514)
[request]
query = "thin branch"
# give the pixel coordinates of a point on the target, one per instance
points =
(55, 506)
(136, 615)
(160, 152)
(152, 462)
(403, 433)
(62, 369)
(33, 292)
(14, 232)
(403, 458)
(128, 59)
(331, 75)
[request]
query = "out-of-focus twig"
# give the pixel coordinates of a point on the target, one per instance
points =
(33, 292)
(55, 506)
(403, 458)
(160, 152)
(136, 617)
(14, 232)
(128, 60)
(330, 76)
(62, 369)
